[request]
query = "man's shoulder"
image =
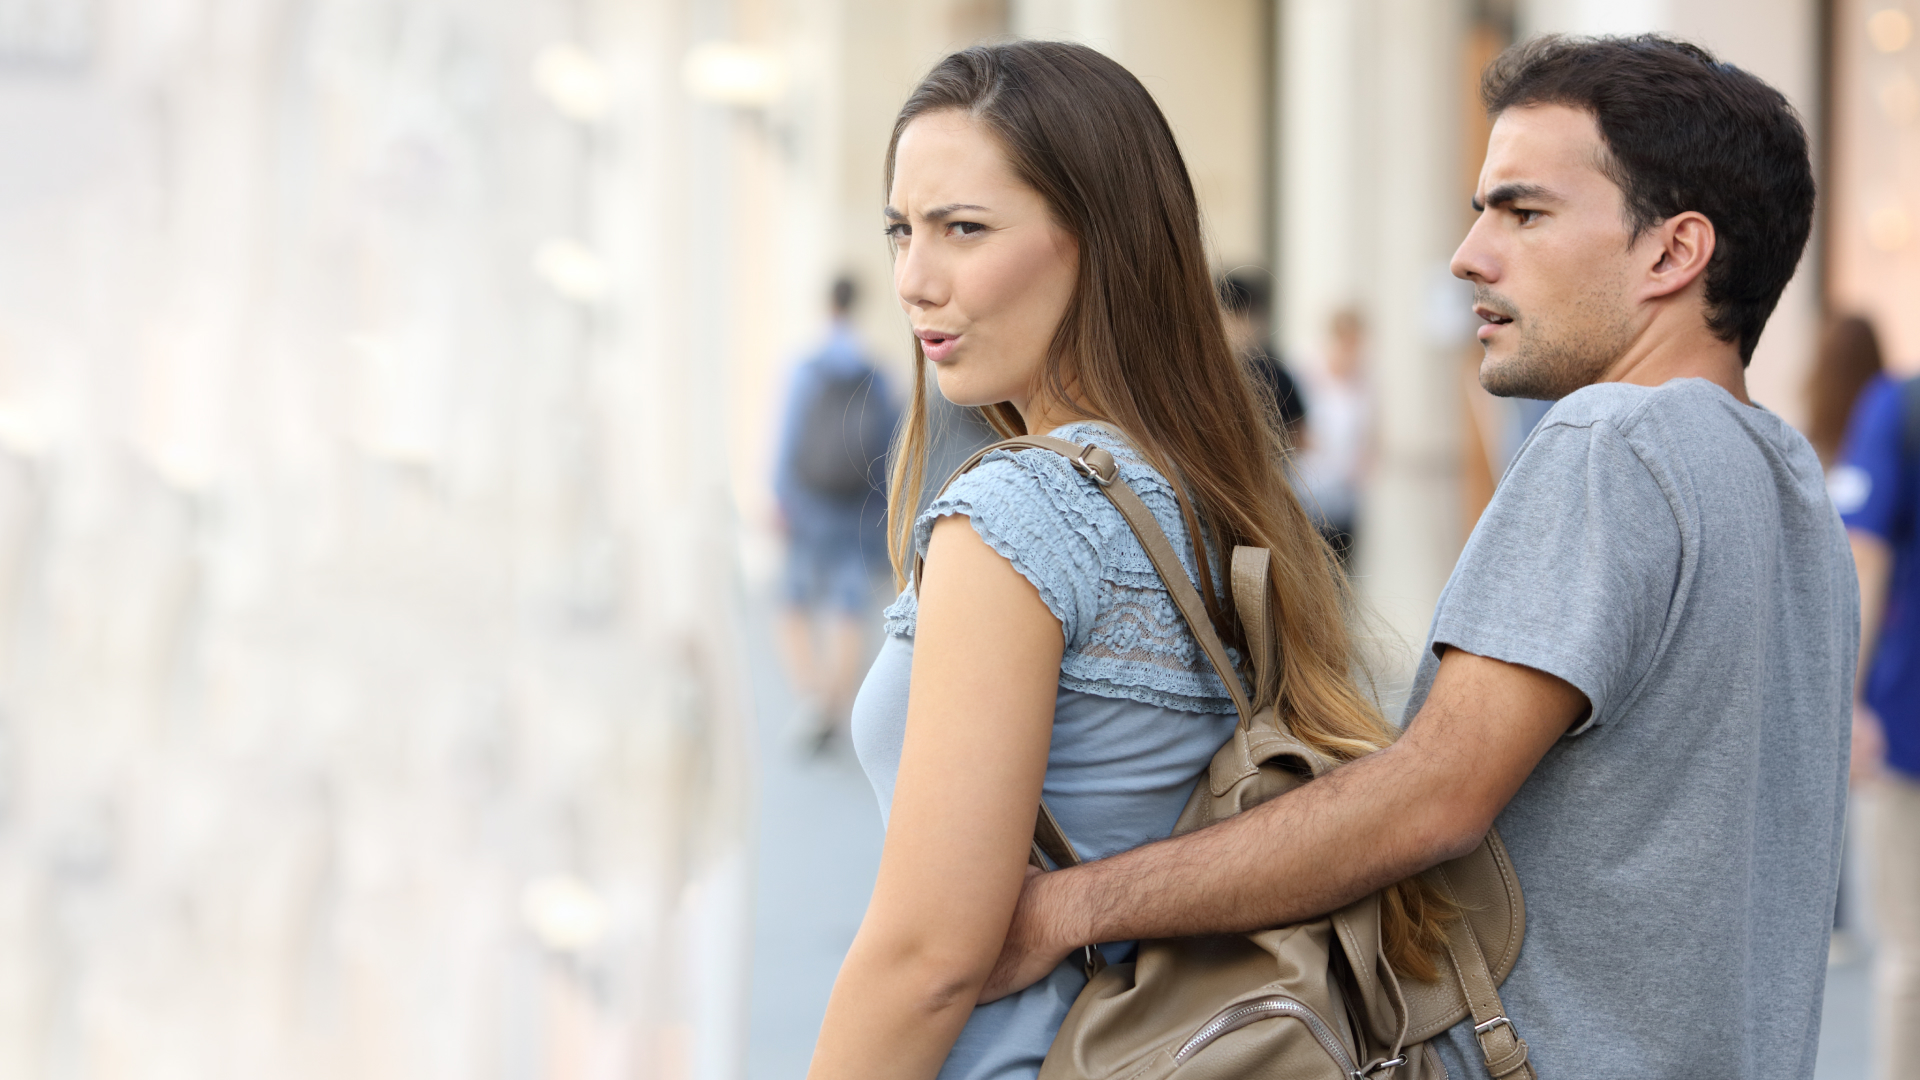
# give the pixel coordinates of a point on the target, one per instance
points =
(1686, 419)
(1628, 406)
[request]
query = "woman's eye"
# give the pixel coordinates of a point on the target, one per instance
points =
(898, 231)
(967, 228)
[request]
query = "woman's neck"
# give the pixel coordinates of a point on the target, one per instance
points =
(1042, 412)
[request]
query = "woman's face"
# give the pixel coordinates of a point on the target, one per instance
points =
(982, 269)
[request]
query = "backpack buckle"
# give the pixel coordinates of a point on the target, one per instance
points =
(1380, 1066)
(1102, 470)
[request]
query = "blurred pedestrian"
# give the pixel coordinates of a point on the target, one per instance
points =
(1338, 454)
(1845, 365)
(828, 480)
(1246, 298)
(1876, 488)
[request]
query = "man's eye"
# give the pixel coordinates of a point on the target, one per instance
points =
(967, 228)
(1527, 217)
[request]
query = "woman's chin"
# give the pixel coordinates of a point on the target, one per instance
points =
(962, 391)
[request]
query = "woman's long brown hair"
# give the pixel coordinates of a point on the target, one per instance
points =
(1143, 347)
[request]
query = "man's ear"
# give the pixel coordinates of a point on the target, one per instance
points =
(1685, 247)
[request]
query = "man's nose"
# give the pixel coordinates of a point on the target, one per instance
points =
(1473, 260)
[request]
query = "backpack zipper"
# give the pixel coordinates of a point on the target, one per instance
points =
(1235, 1017)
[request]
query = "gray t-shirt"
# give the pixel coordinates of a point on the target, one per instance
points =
(1671, 553)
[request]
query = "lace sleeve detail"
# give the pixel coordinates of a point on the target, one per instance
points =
(1123, 636)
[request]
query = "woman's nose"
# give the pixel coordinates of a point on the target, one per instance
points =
(919, 277)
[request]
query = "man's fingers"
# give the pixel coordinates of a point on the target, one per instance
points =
(1014, 972)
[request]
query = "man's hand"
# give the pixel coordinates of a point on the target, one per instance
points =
(1029, 952)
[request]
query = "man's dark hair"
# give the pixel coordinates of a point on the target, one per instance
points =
(1684, 132)
(843, 295)
(1246, 292)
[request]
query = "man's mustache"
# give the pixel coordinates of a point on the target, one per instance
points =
(1494, 302)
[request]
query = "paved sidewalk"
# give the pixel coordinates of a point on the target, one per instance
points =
(1845, 1022)
(818, 849)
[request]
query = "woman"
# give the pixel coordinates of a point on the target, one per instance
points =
(1047, 252)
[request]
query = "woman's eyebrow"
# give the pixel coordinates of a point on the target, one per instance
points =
(936, 213)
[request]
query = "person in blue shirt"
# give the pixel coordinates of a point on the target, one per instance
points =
(828, 482)
(1876, 488)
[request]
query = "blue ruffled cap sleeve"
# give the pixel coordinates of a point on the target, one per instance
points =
(1122, 634)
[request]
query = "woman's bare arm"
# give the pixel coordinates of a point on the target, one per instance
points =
(986, 670)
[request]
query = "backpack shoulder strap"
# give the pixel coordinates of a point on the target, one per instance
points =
(1502, 1047)
(1252, 575)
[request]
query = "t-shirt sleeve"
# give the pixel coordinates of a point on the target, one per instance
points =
(1572, 569)
(1869, 486)
(1031, 511)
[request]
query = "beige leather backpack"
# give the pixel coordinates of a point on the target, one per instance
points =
(1316, 999)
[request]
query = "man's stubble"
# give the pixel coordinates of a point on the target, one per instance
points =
(1555, 357)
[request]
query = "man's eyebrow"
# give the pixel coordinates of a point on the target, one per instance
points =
(937, 213)
(1508, 194)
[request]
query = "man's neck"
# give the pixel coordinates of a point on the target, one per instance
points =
(1661, 354)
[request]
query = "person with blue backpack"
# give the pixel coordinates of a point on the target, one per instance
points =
(829, 481)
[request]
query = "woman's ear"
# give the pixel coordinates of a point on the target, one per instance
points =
(1686, 242)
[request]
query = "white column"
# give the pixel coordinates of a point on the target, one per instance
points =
(368, 689)
(1090, 22)
(1369, 216)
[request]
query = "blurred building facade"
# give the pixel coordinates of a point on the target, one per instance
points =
(1873, 216)
(368, 694)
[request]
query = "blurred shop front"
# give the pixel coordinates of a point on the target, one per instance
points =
(368, 669)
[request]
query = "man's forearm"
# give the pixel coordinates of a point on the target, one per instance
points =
(1381, 819)
(1313, 850)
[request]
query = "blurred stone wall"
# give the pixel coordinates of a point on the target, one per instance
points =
(367, 646)
(1873, 204)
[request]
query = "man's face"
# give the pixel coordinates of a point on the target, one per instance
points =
(1548, 256)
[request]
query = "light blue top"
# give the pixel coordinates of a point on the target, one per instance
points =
(1139, 712)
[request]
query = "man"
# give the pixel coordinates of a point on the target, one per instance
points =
(1642, 666)
(830, 485)
(1877, 489)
